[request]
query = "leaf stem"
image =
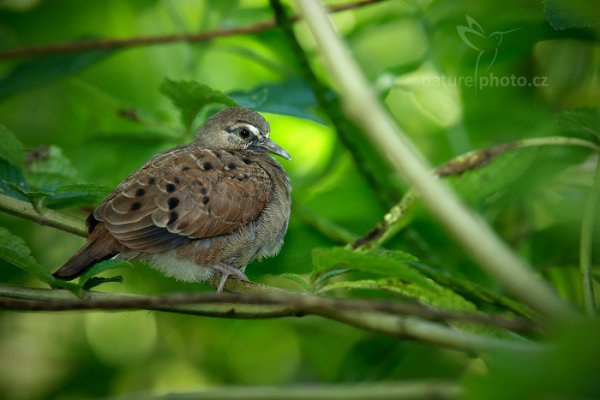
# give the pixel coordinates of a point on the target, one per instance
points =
(585, 248)
(473, 234)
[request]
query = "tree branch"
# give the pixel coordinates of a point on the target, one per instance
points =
(470, 231)
(434, 390)
(29, 299)
(115, 44)
(390, 318)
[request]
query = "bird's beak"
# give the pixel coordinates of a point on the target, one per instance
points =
(274, 148)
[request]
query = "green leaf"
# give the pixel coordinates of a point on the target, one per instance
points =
(102, 267)
(473, 292)
(76, 195)
(97, 281)
(191, 97)
(290, 97)
(11, 149)
(563, 14)
(580, 120)
(14, 250)
(388, 263)
(298, 280)
(51, 170)
(12, 181)
(488, 176)
(400, 277)
(497, 172)
(432, 295)
(45, 69)
(568, 369)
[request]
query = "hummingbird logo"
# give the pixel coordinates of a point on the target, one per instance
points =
(486, 45)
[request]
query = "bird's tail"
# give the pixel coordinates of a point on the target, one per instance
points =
(99, 247)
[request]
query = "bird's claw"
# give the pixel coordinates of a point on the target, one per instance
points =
(226, 271)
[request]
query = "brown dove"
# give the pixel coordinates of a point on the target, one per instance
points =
(213, 205)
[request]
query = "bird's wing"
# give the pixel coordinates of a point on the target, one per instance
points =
(183, 194)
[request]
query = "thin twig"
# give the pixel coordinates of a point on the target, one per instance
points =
(585, 249)
(115, 44)
(475, 236)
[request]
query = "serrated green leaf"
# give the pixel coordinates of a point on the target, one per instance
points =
(580, 120)
(45, 69)
(387, 263)
(432, 295)
(77, 195)
(473, 292)
(11, 149)
(102, 267)
(191, 97)
(14, 250)
(291, 97)
(476, 184)
(400, 277)
(564, 14)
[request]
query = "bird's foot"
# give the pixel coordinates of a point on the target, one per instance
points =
(226, 271)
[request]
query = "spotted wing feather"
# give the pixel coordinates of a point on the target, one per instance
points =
(182, 195)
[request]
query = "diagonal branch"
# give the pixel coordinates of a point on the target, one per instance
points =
(477, 238)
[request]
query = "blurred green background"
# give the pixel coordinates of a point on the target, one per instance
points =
(100, 115)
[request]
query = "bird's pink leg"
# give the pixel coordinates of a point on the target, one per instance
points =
(226, 271)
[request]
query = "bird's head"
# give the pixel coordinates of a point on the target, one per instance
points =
(238, 128)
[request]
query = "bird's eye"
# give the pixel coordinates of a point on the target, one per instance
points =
(245, 133)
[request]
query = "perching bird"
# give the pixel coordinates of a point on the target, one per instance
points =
(213, 205)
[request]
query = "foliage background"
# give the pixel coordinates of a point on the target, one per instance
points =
(103, 115)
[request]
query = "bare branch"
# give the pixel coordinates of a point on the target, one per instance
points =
(360, 314)
(116, 44)
(434, 390)
(295, 305)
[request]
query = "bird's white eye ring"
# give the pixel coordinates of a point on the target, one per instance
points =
(245, 133)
